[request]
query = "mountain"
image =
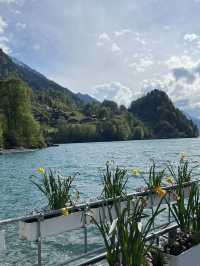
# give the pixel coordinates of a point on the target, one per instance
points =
(36, 111)
(161, 117)
(37, 82)
(195, 120)
(86, 98)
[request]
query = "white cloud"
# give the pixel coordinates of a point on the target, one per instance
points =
(4, 44)
(21, 26)
(191, 37)
(179, 61)
(141, 64)
(122, 32)
(3, 25)
(115, 48)
(139, 38)
(104, 37)
(181, 84)
(114, 91)
(3, 39)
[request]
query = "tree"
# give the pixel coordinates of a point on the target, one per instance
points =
(111, 105)
(138, 133)
(21, 127)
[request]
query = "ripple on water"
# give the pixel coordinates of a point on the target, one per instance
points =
(18, 196)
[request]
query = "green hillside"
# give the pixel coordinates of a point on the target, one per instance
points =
(161, 117)
(35, 112)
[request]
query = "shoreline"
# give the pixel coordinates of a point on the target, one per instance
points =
(16, 150)
(23, 150)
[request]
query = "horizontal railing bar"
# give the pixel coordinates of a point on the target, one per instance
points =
(92, 204)
(102, 256)
(81, 256)
(163, 226)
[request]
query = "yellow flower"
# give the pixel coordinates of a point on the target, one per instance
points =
(170, 180)
(65, 211)
(41, 170)
(160, 191)
(136, 172)
(178, 198)
(183, 156)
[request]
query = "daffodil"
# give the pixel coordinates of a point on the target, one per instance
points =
(41, 170)
(65, 211)
(160, 191)
(183, 156)
(170, 180)
(136, 172)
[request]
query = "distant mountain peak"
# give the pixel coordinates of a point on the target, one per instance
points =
(157, 112)
(86, 98)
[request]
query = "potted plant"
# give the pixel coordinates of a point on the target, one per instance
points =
(59, 216)
(159, 185)
(185, 246)
(154, 188)
(114, 181)
(124, 236)
(182, 174)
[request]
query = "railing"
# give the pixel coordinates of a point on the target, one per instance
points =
(83, 209)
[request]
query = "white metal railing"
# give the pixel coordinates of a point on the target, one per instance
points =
(81, 210)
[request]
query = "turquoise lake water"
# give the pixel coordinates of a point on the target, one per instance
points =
(19, 196)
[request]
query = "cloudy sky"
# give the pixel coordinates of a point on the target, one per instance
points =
(109, 48)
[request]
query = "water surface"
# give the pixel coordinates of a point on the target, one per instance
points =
(19, 196)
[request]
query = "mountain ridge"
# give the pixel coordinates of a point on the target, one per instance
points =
(64, 116)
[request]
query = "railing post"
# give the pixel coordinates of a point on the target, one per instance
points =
(172, 235)
(85, 228)
(169, 210)
(39, 240)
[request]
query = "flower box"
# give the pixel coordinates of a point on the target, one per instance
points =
(154, 199)
(187, 258)
(51, 225)
(104, 212)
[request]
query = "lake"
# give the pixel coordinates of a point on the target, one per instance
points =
(19, 196)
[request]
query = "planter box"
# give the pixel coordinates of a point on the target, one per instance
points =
(187, 258)
(28, 229)
(105, 212)
(154, 199)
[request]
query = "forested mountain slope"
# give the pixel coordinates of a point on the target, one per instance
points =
(35, 112)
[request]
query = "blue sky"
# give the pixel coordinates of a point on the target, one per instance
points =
(109, 48)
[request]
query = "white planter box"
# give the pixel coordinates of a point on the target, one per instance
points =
(154, 199)
(50, 226)
(190, 257)
(105, 213)
(102, 212)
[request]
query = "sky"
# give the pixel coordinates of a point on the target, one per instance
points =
(109, 48)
